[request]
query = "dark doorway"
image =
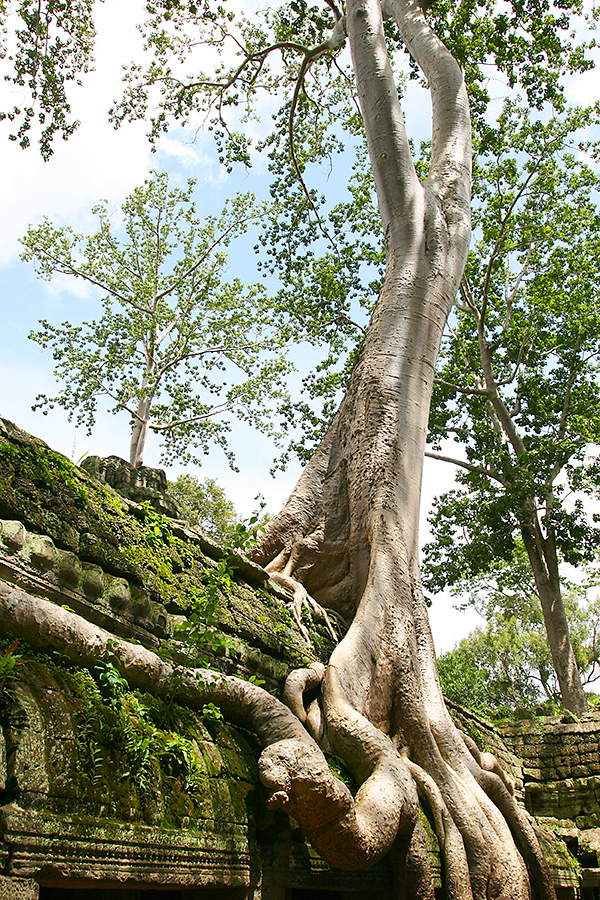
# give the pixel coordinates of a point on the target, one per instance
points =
(136, 893)
(318, 894)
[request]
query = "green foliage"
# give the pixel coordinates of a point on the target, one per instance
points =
(530, 42)
(203, 503)
(9, 661)
(517, 382)
(210, 711)
(341, 771)
(201, 630)
(49, 44)
(176, 348)
(246, 532)
(505, 665)
(117, 719)
(328, 255)
(157, 528)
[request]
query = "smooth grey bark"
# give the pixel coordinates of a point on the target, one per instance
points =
(349, 530)
(349, 535)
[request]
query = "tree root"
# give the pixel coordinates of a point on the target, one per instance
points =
(456, 866)
(301, 599)
(297, 682)
(494, 783)
(348, 832)
(488, 762)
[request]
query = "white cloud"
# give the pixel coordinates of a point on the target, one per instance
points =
(96, 162)
(584, 90)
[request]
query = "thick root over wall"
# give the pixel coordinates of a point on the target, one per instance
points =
(469, 810)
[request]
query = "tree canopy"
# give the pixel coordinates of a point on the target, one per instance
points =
(176, 347)
(348, 536)
(517, 383)
(205, 504)
(504, 666)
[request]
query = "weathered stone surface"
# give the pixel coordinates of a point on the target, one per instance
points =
(71, 539)
(128, 790)
(42, 552)
(76, 848)
(118, 594)
(137, 485)
(69, 570)
(18, 889)
(2, 761)
(93, 582)
(26, 759)
(13, 535)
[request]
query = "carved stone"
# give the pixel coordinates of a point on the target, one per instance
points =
(139, 484)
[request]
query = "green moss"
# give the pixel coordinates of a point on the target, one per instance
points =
(164, 569)
(130, 756)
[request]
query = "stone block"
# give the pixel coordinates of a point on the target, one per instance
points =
(2, 761)
(93, 582)
(26, 763)
(216, 853)
(13, 535)
(118, 594)
(69, 570)
(18, 888)
(42, 552)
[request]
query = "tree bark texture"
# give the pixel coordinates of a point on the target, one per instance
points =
(348, 532)
(544, 564)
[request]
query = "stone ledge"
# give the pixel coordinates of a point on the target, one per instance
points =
(49, 847)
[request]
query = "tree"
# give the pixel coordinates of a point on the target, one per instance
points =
(506, 664)
(517, 384)
(204, 503)
(348, 534)
(49, 45)
(175, 347)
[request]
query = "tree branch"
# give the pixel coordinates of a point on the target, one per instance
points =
(396, 181)
(499, 241)
(169, 426)
(477, 392)
(477, 470)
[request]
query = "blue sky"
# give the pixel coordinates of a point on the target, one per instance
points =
(99, 162)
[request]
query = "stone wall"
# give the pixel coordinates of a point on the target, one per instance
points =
(103, 786)
(129, 793)
(65, 536)
(561, 784)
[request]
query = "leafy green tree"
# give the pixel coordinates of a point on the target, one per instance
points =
(349, 532)
(517, 382)
(175, 347)
(506, 665)
(48, 44)
(205, 504)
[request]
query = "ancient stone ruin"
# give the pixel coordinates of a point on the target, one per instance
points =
(111, 794)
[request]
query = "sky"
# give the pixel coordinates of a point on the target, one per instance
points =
(101, 163)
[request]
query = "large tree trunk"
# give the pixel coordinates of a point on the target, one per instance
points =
(544, 564)
(349, 535)
(349, 530)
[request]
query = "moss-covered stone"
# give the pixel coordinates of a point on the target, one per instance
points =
(81, 744)
(130, 569)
